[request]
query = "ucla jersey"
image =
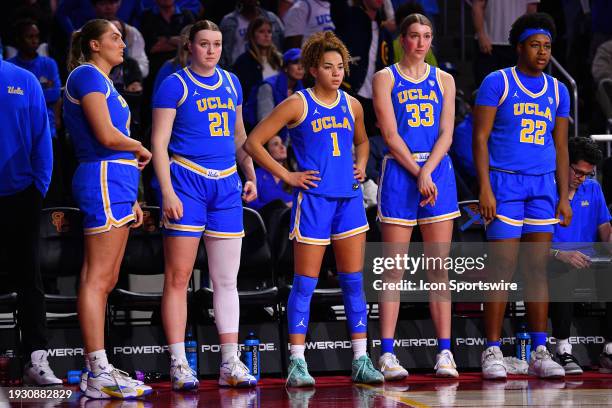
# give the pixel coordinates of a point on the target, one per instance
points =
(521, 139)
(323, 140)
(83, 80)
(417, 104)
(204, 126)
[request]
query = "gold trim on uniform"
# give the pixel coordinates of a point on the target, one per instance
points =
(506, 88)
(304, 112)
(200, 84)
(185, 91)
(511, 221)
(202, 171)
(527, 91)
(439, 218)
(217, 234)
(414, 81)
(549, 221)
(323, 104)
(295, 232)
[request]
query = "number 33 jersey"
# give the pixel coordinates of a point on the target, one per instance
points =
(204, 126)
(521, 139)
(322, 140)
(417, 104)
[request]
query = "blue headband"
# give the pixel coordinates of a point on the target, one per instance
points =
(533, 31)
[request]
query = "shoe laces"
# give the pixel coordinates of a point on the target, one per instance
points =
(543, 354)
(390, 362)
(299, 366)
(364, 366)
(237, 367)
(118, 375)
(446, 359)
(492, 355)
(567, 358)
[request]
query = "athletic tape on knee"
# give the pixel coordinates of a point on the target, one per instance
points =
(354, 301)
(298, 305)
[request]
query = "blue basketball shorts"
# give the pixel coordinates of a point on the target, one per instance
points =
(318, 219)
(105, 192)
(212, 201)
(525, 204)
(399, 196)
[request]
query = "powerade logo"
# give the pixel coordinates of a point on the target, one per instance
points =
(65, 352)
(131, 350)
(215, 348)
(326, 345)
(430, 342)
(481, 341)
(581, 340)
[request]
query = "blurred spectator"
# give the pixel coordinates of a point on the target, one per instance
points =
(234, 28)
(27, 39)
(370, 46)
(134, 43)
(305, 18)
(275, 89)
(195, 6)
(269, 187)
(261, 60)
(602, 63)
(179, 61)
(403, 11)
(41, 11)
(72, 14)
(492, 22)
(161, 28)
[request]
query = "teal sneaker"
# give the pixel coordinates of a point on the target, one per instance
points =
(298, 374)
(365, 373)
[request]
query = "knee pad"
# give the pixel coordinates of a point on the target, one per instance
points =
(298, 305)
(354, 301)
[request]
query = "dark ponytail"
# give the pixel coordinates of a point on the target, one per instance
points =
(79, 44)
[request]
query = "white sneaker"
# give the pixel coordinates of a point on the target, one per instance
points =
(542, 365)
(114, 383)
(38, 372)
(85, 374)
(234, 373)
(391, 368)
(445, 365)
(492, 362)
(516, 365)
(182, 375)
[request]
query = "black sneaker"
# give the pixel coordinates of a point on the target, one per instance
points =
(569, 364)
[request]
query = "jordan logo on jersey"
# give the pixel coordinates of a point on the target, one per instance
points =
(329, 122)
(316, 111)
(195, 92)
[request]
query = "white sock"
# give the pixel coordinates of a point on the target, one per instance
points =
(177, 351)
(98, 361)
(228, 350)
(563, 346)
(608, 348)
(297, 351)
(359, 348)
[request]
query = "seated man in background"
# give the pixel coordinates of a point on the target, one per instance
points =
(572, 249)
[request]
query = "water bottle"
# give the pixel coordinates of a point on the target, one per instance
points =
(251, 355)
(191, 351)
(523, 344)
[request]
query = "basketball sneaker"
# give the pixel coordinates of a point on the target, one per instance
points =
(543, 366)
(569, 364)
(298, 373)
(182, 375)
(114, 383)
(492, 362)
(445, 365)
(363, 372)
(233, 373)
(85, 373)
(38, 372)
(391, 368)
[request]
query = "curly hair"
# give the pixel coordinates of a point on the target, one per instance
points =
(317, 45)
(583, 148)
(534, 20)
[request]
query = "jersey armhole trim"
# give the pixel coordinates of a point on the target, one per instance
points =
(304, 112)
(180, 102)
(392, 76)
(229, 78)
(505, 94)
(350, 107)
(556, 92)
(439, 79)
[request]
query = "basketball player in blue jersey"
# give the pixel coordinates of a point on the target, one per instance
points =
(520, 140)
(415, 106)
(328, 204)
(105, 187)
(197, 118)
